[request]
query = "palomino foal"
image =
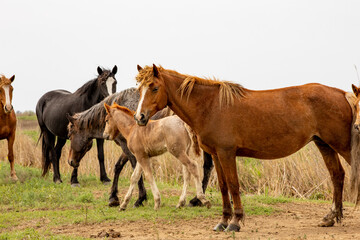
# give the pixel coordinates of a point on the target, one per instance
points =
(159, 136)
(8, 119)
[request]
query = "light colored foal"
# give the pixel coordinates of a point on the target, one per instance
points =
(159, 136)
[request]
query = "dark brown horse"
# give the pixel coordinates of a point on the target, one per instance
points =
(233, 121)
(8, 119)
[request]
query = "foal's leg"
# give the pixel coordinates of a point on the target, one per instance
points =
(100, 149)
(142, 191)
(56, 159)
(186, 176)
(145, 164)
(227, 211)
(337, 174)
(133, 180)
(11, 156)
(192, 167)
(207, 168)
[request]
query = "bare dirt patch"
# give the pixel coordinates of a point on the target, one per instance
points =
(294, 221)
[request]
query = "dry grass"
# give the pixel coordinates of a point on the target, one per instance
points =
(302, 174)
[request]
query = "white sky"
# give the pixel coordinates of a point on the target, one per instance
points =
(261, 44)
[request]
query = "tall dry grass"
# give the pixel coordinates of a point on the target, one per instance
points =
(302, 174)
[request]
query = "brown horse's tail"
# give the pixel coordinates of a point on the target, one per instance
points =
(355, 151)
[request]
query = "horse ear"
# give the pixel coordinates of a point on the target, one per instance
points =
(139, 68)
(114, 70)
(107, 107)
(12, 78)
(156, 71)
(99, 70)
(70, 118)
(355, 90)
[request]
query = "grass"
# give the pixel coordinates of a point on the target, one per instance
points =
(33, 201)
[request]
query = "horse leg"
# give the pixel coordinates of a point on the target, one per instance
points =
(227, 159)
(133, 180)
(192, 167)
(337, 174)
(186, 176)
(56, 159)
(207, 168)
(11, 156)
(114, 200)
(74, 180)
(100, 149)
(142, 191)
(145, 165)
(227, 212)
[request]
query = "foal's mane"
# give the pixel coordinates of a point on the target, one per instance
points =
(124, 109)
(227, 90)
(94, 117)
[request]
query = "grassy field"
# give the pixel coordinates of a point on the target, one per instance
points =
(36, 208)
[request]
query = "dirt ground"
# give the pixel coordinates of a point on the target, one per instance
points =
(294, 221)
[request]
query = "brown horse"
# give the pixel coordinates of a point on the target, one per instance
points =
(8, 119)
(159, 136)
(231, 121)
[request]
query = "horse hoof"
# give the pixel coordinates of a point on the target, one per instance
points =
(195, 202)
(122, 209)
(58, 181)
(232, 228)
(220, 227)
(14, 178)
(138, 204)
(207, 203)
(75, 184)
(114, 202)
(326, 223)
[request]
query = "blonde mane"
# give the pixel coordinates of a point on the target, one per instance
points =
(228, 91)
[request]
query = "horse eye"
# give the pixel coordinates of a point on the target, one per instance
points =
(155, 89)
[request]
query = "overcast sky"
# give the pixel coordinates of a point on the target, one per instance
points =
(261, 44)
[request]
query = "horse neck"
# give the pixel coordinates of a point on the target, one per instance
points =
(191, 110)
(90, 95)
(124, 123)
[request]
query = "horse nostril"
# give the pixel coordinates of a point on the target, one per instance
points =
(142, 117)
(356, 126)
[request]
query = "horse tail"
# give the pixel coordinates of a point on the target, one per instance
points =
(45, 135)
(355, 150)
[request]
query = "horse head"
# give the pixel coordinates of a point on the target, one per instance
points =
(111, 131)
(153, 96)
(80, 142)
(107, 81)
(6, 91)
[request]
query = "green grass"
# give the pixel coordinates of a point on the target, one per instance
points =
(34, 200)
(33, 134)
(27, 117)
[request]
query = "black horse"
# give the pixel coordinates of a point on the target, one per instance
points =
(85, 126)
(51, 111)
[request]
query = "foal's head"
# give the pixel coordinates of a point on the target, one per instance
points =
(6, 93)
(111, 131)
(80, 142)
(356, 91)
(107, 81)
(153, 95)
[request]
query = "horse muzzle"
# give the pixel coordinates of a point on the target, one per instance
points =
(142, 121)
(73, 163)
(8, 108)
